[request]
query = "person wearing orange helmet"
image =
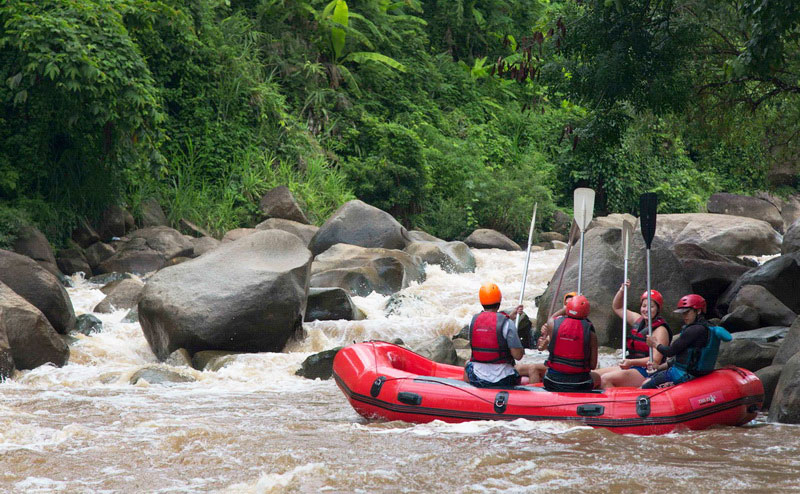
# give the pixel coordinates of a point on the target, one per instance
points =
(632, 371)
(494, 342)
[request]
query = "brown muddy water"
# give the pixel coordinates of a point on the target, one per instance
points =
(254, 427)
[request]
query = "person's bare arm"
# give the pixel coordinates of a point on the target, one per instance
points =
(616, 305)
(517, 353)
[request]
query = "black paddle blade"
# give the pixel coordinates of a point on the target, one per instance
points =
(648, 203)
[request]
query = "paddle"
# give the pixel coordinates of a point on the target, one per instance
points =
(584, 208)
(627, 235)
(573, 234)
(648, 203)
(527, 259)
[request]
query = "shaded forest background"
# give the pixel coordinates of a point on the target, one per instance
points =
(450, 114)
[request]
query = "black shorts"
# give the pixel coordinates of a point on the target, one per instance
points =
(565, 383)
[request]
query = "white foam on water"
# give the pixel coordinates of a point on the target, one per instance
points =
(438, 427)
(275, 483)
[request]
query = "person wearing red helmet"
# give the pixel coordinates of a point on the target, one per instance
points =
(632, 371)
(494, 342)
(695, 351)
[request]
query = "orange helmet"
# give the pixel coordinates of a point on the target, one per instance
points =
(578, 307)
(569, 295)
(490, 294)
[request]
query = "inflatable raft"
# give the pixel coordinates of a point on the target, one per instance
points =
(382, 380)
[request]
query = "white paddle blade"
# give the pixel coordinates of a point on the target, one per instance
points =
(627, 236)
(583, 199)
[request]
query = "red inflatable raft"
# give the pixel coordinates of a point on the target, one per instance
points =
(383, 380)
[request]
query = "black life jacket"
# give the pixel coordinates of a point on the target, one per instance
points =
(570, 346)
(486, 339)
(637, 344)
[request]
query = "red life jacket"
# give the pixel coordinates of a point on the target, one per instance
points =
(570, 346)
(486, 339)
(637, 345)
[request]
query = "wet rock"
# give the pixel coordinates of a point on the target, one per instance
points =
(88, 324)
(319, 365)
(202, 245)
(331, 304)
(39, 287)
(463, 334)
(780, 276)
(744, 206)
(362, 271)
(134, 257)
(84, 235)
(743, 318)
(152, 214)
(72, 260)
(709, 273)
(420, 236)
(125, 295)
(108, 278)
(723, 234)
(484, 238)
(397, 303)
(179, 358)
(132, 316)
(159, 375)
(31, 338)
(791, 240)
(305, 232)
(461, 344)
(785, 406)
(280, 203)
(790, 346)
(236, 234)
(769, 377)
(248, 295)
(212, 360)
(771, 311)
(6, 357)
(790, 212)
(358, 223)
(524, 329)
(97, 253)
(762, 335)
(32, 243)
(747, 354)
(559, 245)
(112, 223)
(453, 257)
(439, 349)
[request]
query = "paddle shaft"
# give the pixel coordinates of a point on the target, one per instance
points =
(649, 302)
(625, 305)
(527, 260)
(580, 266)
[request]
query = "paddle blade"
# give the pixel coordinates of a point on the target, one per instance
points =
(648, 203)
(627, 235)
(583, 200)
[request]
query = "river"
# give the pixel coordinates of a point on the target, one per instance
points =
(254, 427)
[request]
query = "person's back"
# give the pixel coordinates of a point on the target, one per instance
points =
(573, 350)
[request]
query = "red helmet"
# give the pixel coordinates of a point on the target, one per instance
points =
(578, 307)
(656, 297)
(691, 301)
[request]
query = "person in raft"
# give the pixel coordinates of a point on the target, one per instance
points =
(573, 350)
(632, 371)
(695, 351)
(494, 342)
(535, 372)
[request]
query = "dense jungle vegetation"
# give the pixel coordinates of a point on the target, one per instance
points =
(450, 114)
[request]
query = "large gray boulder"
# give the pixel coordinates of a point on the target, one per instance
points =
(723, 234)
(280, 203)
(790, 212)
(39, 287)
(485, 238)
(112, 223)
(124, 295)
(97, 253)
(747, 354)
(84, 235)
(135, 256)
(780, 276)
(790, 346)
(152, 214)
(613, 220)
(791, 240)
(785, 406)
(453, 257)
(358, 223)
(331, 304)
(165, 240)
(750, 207)
(769, 377)
(763, 335)
(319, 365)
(6, 358)
(236, 234)
(201, 245)
(742, 319)
(32, 340)
(32, 243)
(305, 232)
(420, 236)
(361, 270)
(771, 311)
(709, 273)
(602, 276)
(248, 295)
(73, 260)
(440, 349)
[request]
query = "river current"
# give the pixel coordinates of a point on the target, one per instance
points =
(255, 427)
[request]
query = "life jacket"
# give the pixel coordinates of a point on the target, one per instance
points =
(701, 361)
(570, 346)
(637, 344)
(486, 339)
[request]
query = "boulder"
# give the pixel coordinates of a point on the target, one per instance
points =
(319, 365)
(39, 287)
(771, 311)
(112, 223)
(132, 316)
(439, 349)
(331, 304)
(709, 273)
(154, 374)
(790, 346)
(212, 360)
(550, 236)
(125, 295)
(790, 212)
(453, 257)
(603, 273)
(785, 406)
(236, 234)
(280, 203)
(201, 245)
(179, 358)
(768, 334)
(248, 295)
(780, 276)
(561, 222)
(135, 256)
(152, 214)
(745, 206)
(32, 243)
(31, 338)
(613, 221)
(484, 238)
(747, 354)
(84, 235)
(358, 223)
(362, 271)
(723, 234)
(305, 232)
(97, 253)
(194, 230)
(73, 260)
(88, 324)
(107, 279)
(743, 318)
(420, 236)
(769, 377)
(165, 240)
(791, 240)
(6, 357)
